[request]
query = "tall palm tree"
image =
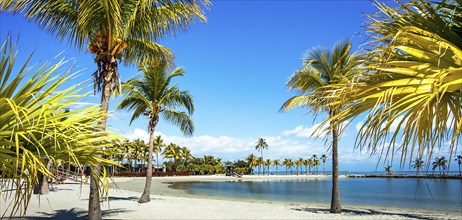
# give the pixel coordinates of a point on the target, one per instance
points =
(442, 163)
(33, 124)
(436, 164)
(261, 145)
(157, 148)
(412, 80)
(277, 163)
(111, 30)
(323, 67)
(418, 164)
(153, 96)
(459, 162)
(324, 159)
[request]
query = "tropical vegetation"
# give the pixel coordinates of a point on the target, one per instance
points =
(40, 126)
(153, 96)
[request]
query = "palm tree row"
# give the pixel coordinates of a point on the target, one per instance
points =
(253, 161)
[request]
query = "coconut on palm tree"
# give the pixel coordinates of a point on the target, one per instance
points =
(321, 68)
(153, 96)
(261, 145)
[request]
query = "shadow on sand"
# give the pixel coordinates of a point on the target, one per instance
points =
(73, 213)
(366, 212)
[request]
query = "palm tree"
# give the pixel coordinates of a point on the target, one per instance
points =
(34, 123)
(436, 164)
(157, 147)
(277, 163)
(259, 163)
(268, 164)
(323, 67)
(389, 170)
(287, 163)
(316, 164)
(290, 164)
(261, 145)
(299, 163)
(459, 161)
(307, 164)
(139, 149)
(251, 162)
(111, 30)
(418, 164)
(186, 154)
(442, 163)
(324, 159)
(413, 80)
(152, 96)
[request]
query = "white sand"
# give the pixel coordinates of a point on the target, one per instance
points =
(65, 203)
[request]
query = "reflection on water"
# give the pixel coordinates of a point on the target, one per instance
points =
(411, 193)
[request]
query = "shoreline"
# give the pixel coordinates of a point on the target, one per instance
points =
(165, 186)
(70, 201)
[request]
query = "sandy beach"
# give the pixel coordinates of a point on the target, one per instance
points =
(70, 201)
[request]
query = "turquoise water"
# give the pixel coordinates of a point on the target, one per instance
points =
(410, 193)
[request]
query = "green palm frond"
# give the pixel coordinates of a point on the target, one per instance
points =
(414, 82)
(180, 119)
(153, 95)
(34, 127)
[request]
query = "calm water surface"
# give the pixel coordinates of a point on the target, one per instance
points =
(410, 193)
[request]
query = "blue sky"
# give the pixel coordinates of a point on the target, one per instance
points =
(236, 68)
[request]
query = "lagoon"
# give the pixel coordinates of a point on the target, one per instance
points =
(435, 194)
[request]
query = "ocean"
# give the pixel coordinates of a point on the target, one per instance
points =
(439, 194)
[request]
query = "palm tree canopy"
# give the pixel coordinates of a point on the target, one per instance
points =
(128, 27)
(158, 144)
(321, 67)
(113, 29)
(153, 95)
(261, 144)
(413, 81)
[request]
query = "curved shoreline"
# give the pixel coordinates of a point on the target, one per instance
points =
(165, 186)
(70, 201)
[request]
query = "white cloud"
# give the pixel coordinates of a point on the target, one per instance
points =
(301, 131)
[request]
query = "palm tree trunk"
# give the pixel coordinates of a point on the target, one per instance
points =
(335, 206)
(145, 197)
(94, 208)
